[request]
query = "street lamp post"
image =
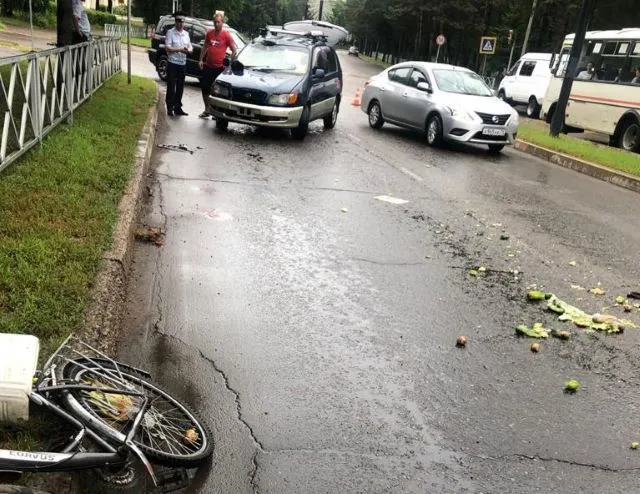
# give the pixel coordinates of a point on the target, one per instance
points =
(557, 121)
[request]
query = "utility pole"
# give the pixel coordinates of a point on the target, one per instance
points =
(526, 35)
(557, 121)
(129, 41)
(512, 41)
(320, 10)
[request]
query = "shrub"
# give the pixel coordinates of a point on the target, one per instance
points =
(120, 10)
(98, 18)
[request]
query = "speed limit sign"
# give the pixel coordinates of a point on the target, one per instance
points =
(441, 40)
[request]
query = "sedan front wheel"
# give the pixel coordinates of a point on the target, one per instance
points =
(434, 130)
(375, 115)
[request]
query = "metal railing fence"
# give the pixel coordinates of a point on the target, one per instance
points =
(41, 89)
(120, 31)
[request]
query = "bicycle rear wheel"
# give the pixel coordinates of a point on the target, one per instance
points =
(169, 433)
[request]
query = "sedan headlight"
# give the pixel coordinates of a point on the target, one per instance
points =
(283, 99)
(221, 91)
(515, 119)
(461, 113)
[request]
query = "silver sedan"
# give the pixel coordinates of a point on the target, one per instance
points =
(444, 101)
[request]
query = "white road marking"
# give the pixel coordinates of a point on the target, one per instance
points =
(411, 174)
(392, 200)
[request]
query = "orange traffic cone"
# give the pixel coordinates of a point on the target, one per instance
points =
(356, 98)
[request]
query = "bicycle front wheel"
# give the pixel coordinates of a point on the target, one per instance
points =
(169, 433)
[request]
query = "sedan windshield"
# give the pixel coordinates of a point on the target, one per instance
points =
(461, 82)
(275, 58)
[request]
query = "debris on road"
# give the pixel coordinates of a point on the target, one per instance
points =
(504, 236)
(563, 335)
(634, 295)
(535, 295)
(183, 148)
(597, 291)
(599, 322)
(535, 347)
(620, 300)
(152, 235)
(461, 341)
(577, 287)
(537, 331)
(635, 445)
(344, 210)
(573, 263)
(572, 386)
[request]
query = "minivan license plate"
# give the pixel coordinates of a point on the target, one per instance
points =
(489, 131)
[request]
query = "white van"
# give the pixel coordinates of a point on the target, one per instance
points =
(526, 82)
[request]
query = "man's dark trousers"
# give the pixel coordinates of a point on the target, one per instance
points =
(175, 86)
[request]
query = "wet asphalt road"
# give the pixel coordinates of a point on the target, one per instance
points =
(320, 344)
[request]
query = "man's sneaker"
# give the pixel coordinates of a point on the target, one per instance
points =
(204, 114)
(170, 113)
(181, 112)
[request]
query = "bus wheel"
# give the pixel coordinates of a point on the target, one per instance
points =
(629, 136)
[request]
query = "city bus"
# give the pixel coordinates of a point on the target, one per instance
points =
(605, 96)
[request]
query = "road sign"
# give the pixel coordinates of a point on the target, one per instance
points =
(487, 45)
(441, 40)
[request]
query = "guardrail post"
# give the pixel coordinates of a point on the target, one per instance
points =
(36, 110)
(68, 82)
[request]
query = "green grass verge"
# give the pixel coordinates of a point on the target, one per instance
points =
(613, 158)
(58, 208)
(142, 42)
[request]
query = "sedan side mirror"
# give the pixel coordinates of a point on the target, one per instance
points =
(424, 86)
(318, 73)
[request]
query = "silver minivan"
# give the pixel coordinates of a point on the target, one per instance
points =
(526, 82)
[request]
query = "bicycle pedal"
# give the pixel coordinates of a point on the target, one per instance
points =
(172, 480)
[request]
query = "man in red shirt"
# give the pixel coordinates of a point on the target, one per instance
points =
(212, 56)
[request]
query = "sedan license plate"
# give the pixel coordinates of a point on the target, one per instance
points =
(490, 131)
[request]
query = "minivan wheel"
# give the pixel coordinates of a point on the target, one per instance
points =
(375, 115)
(331, 119)
(162, 67)
(434, 130)
(222, 124)
(300, 132)
(533, 108)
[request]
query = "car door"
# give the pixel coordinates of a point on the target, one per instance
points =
(317, 94)
(196, 34)
(393, 95)
(523, 81)
(332, 82)
(416, 102)
(509, 81)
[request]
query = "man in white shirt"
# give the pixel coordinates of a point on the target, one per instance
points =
(82, 28)
(177, 44)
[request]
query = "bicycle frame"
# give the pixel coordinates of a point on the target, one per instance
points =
(74, 456)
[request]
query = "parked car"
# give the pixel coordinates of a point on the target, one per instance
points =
(444, 101)
(526, 82)
(353, 50)
(282, 79)
(197, 29)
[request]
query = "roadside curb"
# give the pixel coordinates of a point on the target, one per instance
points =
(618, 178)
(103, 316)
